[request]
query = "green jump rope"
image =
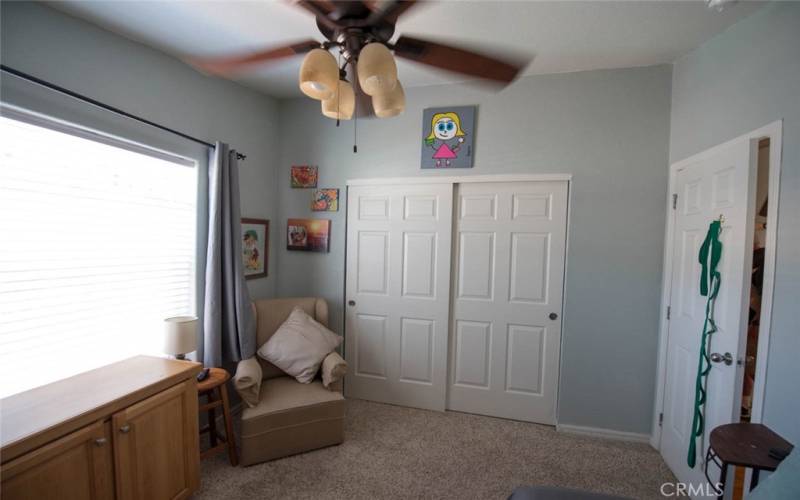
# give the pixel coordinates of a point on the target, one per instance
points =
(710, 254)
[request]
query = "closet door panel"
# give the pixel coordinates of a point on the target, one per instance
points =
(510, 240)
(398, 293)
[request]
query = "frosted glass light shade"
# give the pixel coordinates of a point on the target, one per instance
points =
(180, 335)
(390, 103)
(377, 71)
(319, 74)
(343, 101)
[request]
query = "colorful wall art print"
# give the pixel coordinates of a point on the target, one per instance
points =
(325, 200)
(255, 247)
(312, 235)
(448, 137)
(304, 176)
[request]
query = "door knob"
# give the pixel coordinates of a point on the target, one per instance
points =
(553, 316)
(721, 358)
(125, 429)
(351, 303)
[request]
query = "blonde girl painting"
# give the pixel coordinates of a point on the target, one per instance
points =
(448, 139)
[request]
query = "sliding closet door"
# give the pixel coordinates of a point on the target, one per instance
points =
(508, 283)
(398, 293)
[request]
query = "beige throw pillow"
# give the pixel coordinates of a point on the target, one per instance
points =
(299, 346)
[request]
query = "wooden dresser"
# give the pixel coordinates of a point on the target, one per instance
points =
(127, 431)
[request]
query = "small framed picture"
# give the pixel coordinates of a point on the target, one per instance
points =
(255, 247)
(310, 235)
(304, 176)
(325, 200)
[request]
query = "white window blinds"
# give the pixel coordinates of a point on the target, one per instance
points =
(97, 247)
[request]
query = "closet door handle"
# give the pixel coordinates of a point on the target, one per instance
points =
(553, 316)
(351, 303)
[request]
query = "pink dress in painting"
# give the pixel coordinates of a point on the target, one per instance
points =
(444, 153)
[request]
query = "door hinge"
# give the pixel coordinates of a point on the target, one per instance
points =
(669, 311)
(674, 201)
(660, 419)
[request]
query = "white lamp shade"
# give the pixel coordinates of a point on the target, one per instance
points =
(377, 71)
(180, 335)
(342, 104)
(391, 103)
(319, 74)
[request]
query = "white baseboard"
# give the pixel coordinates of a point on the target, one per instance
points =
(603, 433)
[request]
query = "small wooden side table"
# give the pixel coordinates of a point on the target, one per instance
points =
(744, 445)
(213, 387)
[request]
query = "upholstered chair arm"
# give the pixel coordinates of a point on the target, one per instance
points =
(247, 381)
(333, 371)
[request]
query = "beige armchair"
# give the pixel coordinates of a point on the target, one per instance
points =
(282, 416)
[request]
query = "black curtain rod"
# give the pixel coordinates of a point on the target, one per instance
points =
(57, 88)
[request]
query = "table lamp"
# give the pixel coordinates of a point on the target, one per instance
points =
(180, 336)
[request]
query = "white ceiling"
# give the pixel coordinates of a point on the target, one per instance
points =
(563, 36)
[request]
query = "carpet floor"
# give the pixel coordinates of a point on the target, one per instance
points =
(394, 452)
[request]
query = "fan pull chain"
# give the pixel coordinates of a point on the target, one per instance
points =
(355, 128)
(355, 111)
(338, 91)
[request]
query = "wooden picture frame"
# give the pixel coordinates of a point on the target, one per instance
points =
(255, 247)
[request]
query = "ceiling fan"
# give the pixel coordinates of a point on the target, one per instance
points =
(361, 32)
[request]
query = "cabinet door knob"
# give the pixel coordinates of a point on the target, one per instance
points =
(100, 441)
(553, 316)
(125, 429)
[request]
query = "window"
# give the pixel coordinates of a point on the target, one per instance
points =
(97, 247)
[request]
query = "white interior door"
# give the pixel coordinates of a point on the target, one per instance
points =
(398, 293)
(508, 282)
(717, 182)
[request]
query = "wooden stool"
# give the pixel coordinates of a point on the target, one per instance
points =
(744, 445)
(215, 382)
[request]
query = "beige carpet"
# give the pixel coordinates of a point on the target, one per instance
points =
(394, 452)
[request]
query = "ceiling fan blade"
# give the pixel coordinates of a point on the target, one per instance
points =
(387, 10)
(458, 60)
(232, 64)
(322, 10)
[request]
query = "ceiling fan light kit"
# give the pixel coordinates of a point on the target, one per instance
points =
(362, 30)
(343, 103)
(319, 75)
(391, 103)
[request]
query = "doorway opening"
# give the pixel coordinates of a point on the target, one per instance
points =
(756, 293)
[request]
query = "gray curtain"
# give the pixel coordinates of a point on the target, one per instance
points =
(228, 322)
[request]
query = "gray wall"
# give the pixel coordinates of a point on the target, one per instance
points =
(742, 79)
(610, 129)
(84, 58)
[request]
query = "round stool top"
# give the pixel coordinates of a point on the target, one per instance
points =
(216, 377)
(747, 445)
